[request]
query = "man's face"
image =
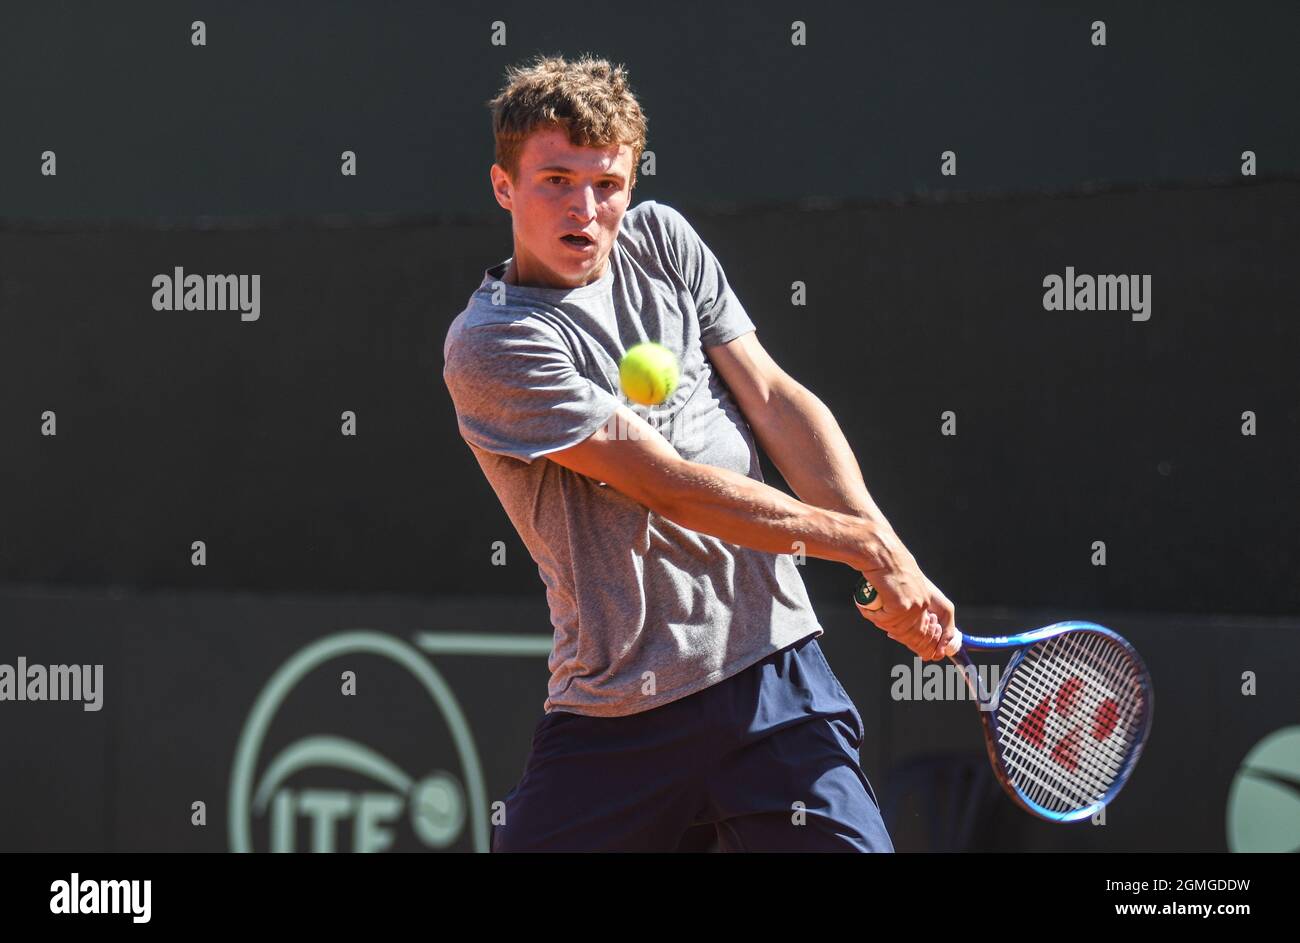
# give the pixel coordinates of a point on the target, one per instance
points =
(564, 189)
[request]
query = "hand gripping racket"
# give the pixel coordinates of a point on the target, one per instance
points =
(1068, 718)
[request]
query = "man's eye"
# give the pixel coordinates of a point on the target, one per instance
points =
(549, 179)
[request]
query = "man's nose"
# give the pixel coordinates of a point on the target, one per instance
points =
(584, 204)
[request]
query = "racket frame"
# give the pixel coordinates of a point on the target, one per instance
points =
(988, 708)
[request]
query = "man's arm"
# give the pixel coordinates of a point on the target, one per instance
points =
(802, 438)
(795, 429)
(640, 463)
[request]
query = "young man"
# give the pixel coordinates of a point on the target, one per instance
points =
(687, 685)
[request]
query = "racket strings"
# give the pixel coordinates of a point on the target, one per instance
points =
(1045, 756)
(1053, 757)
(1068, 717)
(1047, 765)
(1048, 693)
(1049, 746)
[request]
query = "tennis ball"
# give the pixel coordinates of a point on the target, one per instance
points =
(648, 373)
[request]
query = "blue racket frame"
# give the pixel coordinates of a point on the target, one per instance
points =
(988, 716)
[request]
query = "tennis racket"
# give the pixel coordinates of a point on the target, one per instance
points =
(1068, 718)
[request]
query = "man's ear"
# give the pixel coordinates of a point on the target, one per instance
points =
(502, 187)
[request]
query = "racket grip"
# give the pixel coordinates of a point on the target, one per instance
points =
(868, 600)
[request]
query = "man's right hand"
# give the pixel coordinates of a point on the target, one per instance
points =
(914, 611)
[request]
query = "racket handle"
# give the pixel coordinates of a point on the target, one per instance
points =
(868, 600)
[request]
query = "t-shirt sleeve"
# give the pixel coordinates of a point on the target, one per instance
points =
(517, 392)
(722, 316)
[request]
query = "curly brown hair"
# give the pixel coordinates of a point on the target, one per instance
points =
(588, 97)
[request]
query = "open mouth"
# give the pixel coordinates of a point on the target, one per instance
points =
(578, 241)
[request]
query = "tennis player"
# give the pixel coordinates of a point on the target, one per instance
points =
(687, 686)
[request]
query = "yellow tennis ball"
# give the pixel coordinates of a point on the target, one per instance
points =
(648, 373)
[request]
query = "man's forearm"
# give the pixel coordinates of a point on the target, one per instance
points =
(744, 511)
(803, 440)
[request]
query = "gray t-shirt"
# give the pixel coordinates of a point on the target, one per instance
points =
(644, 611)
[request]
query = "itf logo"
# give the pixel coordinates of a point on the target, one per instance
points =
(1264, 801)
(393, 766)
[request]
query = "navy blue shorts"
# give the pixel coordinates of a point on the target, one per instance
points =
(768, 757)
